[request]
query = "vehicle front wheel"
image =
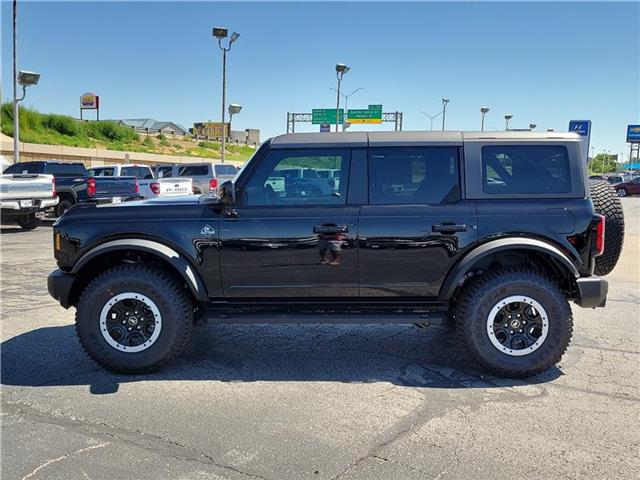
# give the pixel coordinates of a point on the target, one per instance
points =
(29, 221)
(622, 192)
(515, 323)
(134, 318)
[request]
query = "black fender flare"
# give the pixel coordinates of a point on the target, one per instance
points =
(181, 264)
(456, 275)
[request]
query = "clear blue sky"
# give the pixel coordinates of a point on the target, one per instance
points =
(544, 62)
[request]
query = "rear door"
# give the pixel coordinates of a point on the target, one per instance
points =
(292, 237)
(416, 224)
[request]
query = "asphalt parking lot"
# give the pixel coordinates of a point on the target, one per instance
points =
(314, 402)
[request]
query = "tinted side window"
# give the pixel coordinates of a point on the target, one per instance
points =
(289, 177)
(525, 169)
(66, 169)
(193, 171)
(25, 168)
(225, 170)
(413, 175)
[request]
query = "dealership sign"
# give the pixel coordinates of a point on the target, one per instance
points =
(582, 128)
(633, 133)
(89, 101)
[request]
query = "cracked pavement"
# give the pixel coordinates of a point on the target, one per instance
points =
(314, 402)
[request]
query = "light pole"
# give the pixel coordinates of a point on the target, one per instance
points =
(233, 109)
(25, 79)
(221, 33)
(431, 117)
(507, 117)
(341, 69)
(483, 112)
(444, 110)
(346, 105)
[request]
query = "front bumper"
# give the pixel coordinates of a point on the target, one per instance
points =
(59, 284)
(592, 292)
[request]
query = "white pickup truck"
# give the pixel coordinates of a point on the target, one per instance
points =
(149, 186)
(24, 198)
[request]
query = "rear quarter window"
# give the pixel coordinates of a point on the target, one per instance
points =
(525, 169)
(225, 170)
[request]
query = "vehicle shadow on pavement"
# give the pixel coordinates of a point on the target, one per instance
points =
(402, 355)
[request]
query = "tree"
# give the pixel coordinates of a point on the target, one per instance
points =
(604, 163)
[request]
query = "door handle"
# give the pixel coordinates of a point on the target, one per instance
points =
(325, 229)
(449, 228)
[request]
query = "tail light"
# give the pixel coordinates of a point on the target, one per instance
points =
(155, 188)
(137, 190)
(53, 181)
(91, 187)
(600, 235)
(213, 184)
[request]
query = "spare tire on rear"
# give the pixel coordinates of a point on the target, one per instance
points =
(607, 203)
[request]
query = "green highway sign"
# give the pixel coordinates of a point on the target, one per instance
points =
(326, 115)
(373, 114)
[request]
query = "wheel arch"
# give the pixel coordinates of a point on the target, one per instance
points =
(549, 255)
(104, 254)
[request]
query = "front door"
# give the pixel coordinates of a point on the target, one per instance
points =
(416, 224)
(292, 232)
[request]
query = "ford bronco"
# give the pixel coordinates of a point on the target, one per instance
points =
(497, 232)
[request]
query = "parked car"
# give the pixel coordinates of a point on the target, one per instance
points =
(149, 186)
(632, 187)
(614, 179)
(496, 233)
(74, 185)
(207, 177)
(596, 177)
(24, 199)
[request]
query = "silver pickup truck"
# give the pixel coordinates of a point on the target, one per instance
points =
(24, 198)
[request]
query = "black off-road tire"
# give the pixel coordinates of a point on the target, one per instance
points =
(158, 285)
(29, 222)
(63, 205)
(606, 202)
(483, 293)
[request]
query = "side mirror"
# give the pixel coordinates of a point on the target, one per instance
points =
(228, 193)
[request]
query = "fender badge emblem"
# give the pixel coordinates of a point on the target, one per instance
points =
(207, 230)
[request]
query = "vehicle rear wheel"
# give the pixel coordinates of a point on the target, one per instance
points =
(28, 221)
(608, 204)
(64, 205)
(134, 318)
(622, 192)
(514, 322)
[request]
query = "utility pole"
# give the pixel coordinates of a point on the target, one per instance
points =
(16, 110)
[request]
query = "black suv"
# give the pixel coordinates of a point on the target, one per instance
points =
(494, 231)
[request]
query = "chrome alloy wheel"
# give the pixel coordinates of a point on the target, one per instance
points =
(130, 322)
(517, 325)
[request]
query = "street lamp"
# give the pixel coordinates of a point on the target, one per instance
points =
(221, 33)
(444, 110)
(341, 69)
(431, 117)
(507, 117)
(532, 126)
(346, 104)
(233, 109)
(483, 112)
(25, 79)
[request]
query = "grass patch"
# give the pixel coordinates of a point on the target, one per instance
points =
(54, 129)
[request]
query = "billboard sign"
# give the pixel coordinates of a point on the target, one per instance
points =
(582, 128)
(633, 133)
(89, 101)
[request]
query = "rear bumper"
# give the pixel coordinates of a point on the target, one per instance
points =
(36, 204)
(59, 284)
(592, 292)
